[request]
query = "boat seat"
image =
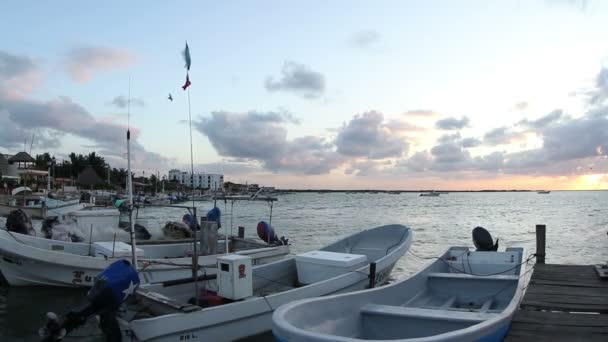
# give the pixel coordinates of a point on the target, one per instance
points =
(164, 305)
(442, 275)
(433, 314)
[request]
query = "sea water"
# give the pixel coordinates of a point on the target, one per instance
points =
(577, 226)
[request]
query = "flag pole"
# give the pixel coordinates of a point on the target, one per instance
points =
(129, 181)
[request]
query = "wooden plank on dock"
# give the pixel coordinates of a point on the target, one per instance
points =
(557, 326)
(579, 296)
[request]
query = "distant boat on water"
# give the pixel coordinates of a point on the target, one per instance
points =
(430, 194)
(543, 192)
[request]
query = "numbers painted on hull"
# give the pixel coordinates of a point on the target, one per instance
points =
(188, 337)
(80, 278)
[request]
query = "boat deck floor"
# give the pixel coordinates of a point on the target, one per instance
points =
(562, 303)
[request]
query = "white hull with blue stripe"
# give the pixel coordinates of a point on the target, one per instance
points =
(464, 295)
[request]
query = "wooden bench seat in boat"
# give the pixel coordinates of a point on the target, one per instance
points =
(420, 313)
(162, 305)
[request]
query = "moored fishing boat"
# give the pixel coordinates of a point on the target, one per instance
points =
(27, 260)
(339, 267)
(37, 206)
(239, 301)
(465, 295)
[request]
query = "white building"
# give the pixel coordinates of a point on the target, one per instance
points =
(202, 180)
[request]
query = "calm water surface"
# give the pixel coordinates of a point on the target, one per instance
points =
(577, 223)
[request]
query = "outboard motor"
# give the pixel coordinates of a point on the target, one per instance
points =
(177, 230)
(190, 221)
(483, 240)
(141, 233)
(215, 215)
(266, 232)
(85, 197)
(18, 222)
(111, 288)
(53, 229)
(47, 226)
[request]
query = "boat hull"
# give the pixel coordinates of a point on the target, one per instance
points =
(42, 212)
(254, 316)
(23, 265)
(449, 300)
(244, 321)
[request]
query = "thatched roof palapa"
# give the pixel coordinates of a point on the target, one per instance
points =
(21, 157)
(88, 176)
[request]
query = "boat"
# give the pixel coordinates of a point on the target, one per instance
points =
(38, 206)
(27, 260)
(464, 295)
(430, 194)
(166, 313)
(543, 192)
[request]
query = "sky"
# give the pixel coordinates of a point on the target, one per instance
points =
(465, 95)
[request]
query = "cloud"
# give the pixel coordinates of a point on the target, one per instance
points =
(19, 75)
(424, 113)
(419, 162)
(262, 137)
(491, 162)
(519, 106)
(54, 118)
(365, 38)
(308, 155)
(502, 136)
(252, 135)
(122, 101)
(82, 63)
(298, 79)
(576, 138)
(364, 168)
(449, 153)
(452, 123)
(470, 142)
(230, 167)
(599, 94)
(401, 126)
(544, 121)
(366, 136)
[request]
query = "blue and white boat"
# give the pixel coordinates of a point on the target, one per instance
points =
(464, 295)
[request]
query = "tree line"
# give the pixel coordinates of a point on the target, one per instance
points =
(76, 163)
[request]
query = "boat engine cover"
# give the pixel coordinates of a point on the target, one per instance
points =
(483, 240)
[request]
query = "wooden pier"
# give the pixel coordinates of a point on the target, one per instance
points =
(562, 303)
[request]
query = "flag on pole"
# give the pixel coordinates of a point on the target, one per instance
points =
(186, 54)
(188, 83)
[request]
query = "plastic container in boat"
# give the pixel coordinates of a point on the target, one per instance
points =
(315, 266)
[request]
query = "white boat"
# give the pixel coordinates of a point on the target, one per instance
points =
(430, 194)
(27, 260)
(37, 206)
(161, 313)
(464, 295)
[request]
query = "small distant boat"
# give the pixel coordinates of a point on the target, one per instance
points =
(430, 194)
(543, 192)
(465, 295)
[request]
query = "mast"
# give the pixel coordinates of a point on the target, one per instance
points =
(130, 182)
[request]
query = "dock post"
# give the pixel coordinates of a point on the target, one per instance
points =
(372, 275)
(241, 232)
(540, 243)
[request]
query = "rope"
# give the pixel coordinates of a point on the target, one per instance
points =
(532, 256)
